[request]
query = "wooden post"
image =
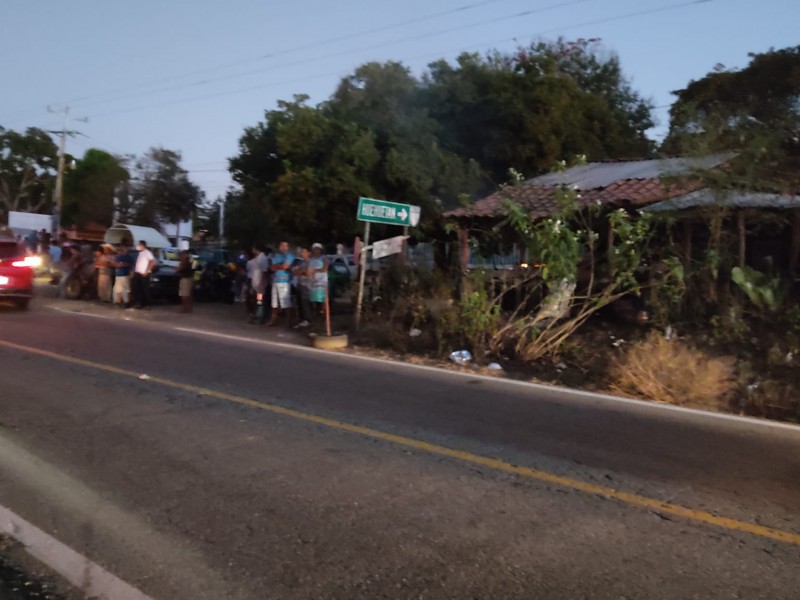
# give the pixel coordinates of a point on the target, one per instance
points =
(742, 227)
(794, 257)
(402, 258)
(463, 257)
(327, 311)
(463, 249)
(714, 244)
(362, 276)
(687, 242)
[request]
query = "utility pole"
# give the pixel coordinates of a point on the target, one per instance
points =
(58, 192)
(221, 222)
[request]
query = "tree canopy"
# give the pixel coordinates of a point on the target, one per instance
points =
(160, 190)
(544, 103)
(452, 133)
(753, 112)
(90, 186)
(27, 165)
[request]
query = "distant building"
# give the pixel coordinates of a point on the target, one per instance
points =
(180, 235)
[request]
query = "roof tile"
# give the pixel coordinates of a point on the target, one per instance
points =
(541, 201)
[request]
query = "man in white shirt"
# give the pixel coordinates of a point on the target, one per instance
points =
(145, 263)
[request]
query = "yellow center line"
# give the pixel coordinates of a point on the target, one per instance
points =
(632, 499)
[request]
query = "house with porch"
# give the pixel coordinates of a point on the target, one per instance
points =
(766, 227)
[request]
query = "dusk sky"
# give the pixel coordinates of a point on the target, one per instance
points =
(191, 74)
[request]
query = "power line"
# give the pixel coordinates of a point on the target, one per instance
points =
(382, 44)
(286, 51)
(636, 14)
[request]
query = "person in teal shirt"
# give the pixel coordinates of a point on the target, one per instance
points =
(318, 275)
(281, 282)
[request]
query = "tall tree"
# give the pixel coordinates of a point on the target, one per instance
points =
(90, 186)
(385, 99)
(163, 191)
(303, 170)
(27, 165)
(753, 112)
(431, 141)
(543, 103)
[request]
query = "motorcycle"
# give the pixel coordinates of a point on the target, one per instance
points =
(215, 282)
(80, 281)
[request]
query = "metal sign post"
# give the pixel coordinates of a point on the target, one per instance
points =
(362, 275)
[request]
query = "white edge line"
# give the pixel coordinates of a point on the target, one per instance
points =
(567, 392)
(78, 313)
(87, 576)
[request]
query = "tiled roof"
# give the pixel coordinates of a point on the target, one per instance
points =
(541, 201)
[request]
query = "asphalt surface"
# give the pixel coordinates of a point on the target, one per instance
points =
(185, 495)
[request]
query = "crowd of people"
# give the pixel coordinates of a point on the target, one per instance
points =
(280, 284)
(272, 285)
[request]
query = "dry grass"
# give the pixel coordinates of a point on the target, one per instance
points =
(673, 372)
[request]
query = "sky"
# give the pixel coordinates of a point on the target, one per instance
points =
(190, 75)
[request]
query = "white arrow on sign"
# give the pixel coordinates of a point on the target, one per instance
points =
(402, 214)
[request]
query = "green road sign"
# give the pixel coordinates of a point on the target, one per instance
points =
(390, 213)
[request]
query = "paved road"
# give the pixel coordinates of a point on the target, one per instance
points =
(182, 485)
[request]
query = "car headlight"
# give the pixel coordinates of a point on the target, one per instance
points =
(29, 261)
(155, 279)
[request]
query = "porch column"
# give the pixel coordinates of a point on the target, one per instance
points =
(794, 256)
(742, 228)
(687, 242)
(463, 249)
(463, 257)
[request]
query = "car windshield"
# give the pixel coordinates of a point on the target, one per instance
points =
(211, 256)
(9, 250)
(171, 255)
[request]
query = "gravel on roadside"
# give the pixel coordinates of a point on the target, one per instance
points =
(23, 578)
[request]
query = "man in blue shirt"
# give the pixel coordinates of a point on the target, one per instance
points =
(123, 265)
(281, 281)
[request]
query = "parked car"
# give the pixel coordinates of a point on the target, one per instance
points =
(216, 256)
(167, 256)
(339, 279)
(16, 272)
(164, 283)
(164, 280)
(348, 261)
